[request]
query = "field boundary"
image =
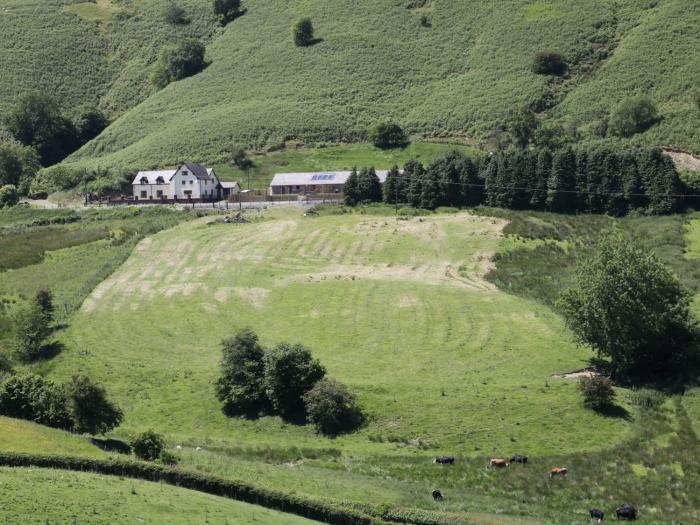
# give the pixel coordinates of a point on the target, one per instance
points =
(236, 490)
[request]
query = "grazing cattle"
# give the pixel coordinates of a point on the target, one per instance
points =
(597, 514)
(518, 459)
(626, 512)
(437, 495)
(558, 471)
(444, 460)
(498, 463)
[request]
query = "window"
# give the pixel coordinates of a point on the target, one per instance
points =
(160, 180)
(159, 194)
(144, 194)
(188, 193)
(144, 180)
(191, 182)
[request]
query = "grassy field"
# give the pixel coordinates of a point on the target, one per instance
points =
(350, 287)
(442, 359)
(27, 437)
(339, 158)
(49, 496)
(69, 259)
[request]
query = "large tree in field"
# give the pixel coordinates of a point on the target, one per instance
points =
(630, 308)
(240, 387)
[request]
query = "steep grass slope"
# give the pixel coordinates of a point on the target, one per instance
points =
(464, 74)
(87, 53)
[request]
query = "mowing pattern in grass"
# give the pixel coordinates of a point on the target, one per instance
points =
(463, 74)
(35, 495)
(439, 358)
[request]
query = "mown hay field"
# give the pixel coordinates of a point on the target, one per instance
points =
(398, 309)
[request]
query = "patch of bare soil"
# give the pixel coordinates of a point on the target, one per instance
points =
(684, 160)
(577, 374)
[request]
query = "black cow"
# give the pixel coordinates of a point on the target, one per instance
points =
(437, 495)
(518, 459)
(597, 514)
(626, 512)
(444, 460)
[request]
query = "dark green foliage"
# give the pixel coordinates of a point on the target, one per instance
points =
(8, 196)
(227, 10)
(561, 187)
(543, 172)
(36, 399)
(632, 116)
(240, 387)
(350, 190)
(290, 372)
(175, 14)
(597, 391)
(548, 63)
(90, 408)
(458, 178)
(90, 123)
(36, 121)
(660, 182)
(241, 160)
(369, 189)
(18, 165)
(177, 62)
(395, 187)
(627, 306)
(332, 408)
(32, 329)
(696, 99)
(521, 126)
(647, 399)
(413, 172)
(44, 299)
(303, 32)
(387, 134)
(148, 445)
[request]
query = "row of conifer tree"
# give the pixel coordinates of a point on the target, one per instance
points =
(598, 179)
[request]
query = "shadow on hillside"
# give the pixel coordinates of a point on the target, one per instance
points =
(614, 411)
(111, 445)
(49, 351)
(314, 41)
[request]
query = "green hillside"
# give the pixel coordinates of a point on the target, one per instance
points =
(462, 75)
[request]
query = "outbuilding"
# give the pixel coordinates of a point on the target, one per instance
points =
(313, 183)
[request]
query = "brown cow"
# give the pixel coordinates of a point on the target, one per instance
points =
(558, 471)
(498, 463)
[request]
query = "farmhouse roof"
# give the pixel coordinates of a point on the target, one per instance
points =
(226, 184)
(151, 176)
(199, 171)
(317, 178)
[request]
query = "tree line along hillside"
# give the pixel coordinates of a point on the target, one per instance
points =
(439, 68)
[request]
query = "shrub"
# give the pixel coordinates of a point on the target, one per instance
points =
(174, 14)
(167, 458)
(44, 299)
(290, 372)
(32, 328)
(148, 445)
(521, 127)
(597, 391)
(303, 32)
(632, 116)
(240, 387)
(548, 63)
(332, 408)
(227, 10)
(177, 62)
(91, 411)
(18, 165)
(36, 399)
(8, 196)
(387, 134)
(241, 160)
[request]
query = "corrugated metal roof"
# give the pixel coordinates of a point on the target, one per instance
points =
(151, 176)
(317, 178)
(228, 184)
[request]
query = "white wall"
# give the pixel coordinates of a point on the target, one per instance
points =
(152, 190)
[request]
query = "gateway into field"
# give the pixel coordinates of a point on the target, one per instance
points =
(313, 183)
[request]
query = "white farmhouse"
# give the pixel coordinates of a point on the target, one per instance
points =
(191, 181)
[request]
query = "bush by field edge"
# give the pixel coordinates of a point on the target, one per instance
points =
(333, 514)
